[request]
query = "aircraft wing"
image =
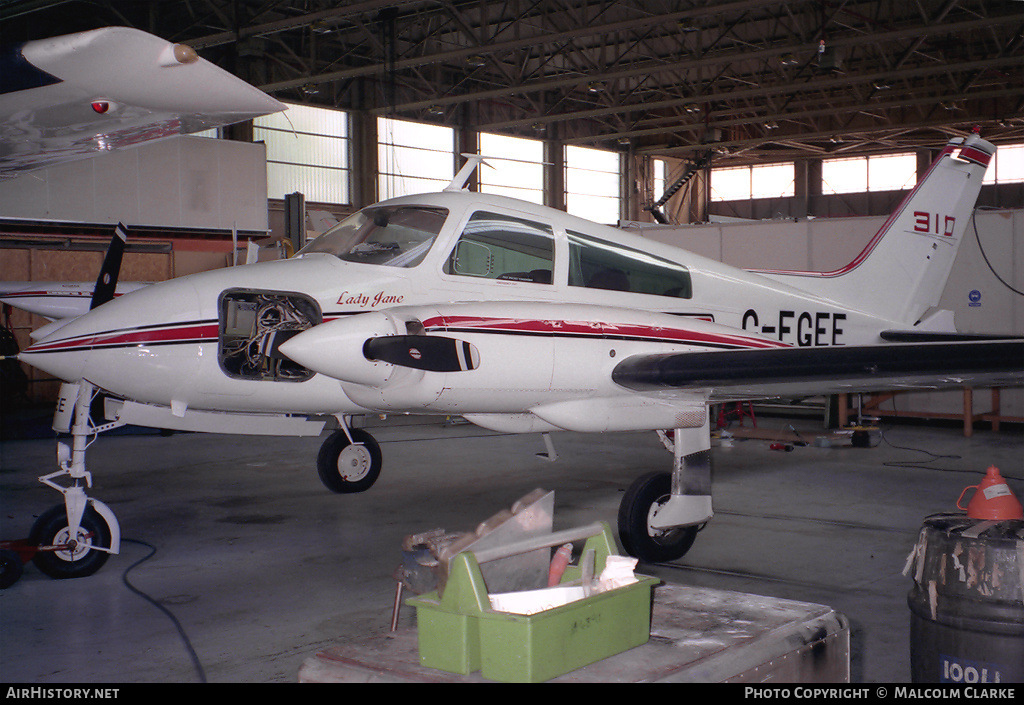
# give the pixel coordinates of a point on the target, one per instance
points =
(795, 372)
(74, 96)
(56, 300)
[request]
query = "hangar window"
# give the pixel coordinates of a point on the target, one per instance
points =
(307, 151)
(520, 174)
(892, 172)
(732, 184)
(498, 246)
(885, 172)
(592, 179)
(742, 183)
(413, 157)
(598, 264)
(844, 175)
(1007, 165)
(660, 176)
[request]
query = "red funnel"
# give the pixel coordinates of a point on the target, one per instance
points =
(993, 500)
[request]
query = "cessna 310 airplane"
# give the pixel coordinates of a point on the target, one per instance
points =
(519, 318)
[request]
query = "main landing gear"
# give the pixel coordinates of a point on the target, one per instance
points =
(661, 513)
(75, 538)
(659, 516)
(349, 461)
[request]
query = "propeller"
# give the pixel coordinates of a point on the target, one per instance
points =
(432, 353)
(106, 283)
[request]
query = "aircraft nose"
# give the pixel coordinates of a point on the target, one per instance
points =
(108, 343)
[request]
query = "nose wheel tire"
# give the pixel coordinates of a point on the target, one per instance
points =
(62, 555)
(639, 505)
(10, 568)
(345, 467)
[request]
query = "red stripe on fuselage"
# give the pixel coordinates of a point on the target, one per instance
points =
(191, 333)
(594, 329)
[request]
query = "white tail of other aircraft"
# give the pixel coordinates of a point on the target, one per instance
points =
(903, 270)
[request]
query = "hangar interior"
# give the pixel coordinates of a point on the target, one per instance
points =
(677, 102)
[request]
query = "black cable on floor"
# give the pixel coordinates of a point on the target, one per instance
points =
(174, 620)
(923, 465)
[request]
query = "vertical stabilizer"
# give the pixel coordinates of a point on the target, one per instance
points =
(106, 283)
(903, 270)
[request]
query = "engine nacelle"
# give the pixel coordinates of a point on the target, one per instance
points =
(335, 348)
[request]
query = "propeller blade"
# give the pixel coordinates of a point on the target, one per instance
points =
(106, 283)
(423, 352)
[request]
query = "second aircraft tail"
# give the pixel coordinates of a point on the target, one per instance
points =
(903, 270)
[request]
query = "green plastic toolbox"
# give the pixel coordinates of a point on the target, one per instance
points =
(459, 632)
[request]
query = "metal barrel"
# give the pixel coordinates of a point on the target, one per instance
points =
(967, 602)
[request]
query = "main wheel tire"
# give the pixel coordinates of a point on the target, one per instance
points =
(641, 501)
(346, 467)
(79, 558)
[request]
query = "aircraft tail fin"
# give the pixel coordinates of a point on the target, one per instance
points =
(106, 283)
(903, 270)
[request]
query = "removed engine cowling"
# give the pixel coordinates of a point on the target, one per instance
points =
(253, 325)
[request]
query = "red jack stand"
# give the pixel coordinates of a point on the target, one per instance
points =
(736, 411)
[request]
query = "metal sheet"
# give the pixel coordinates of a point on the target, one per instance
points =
(530, 517)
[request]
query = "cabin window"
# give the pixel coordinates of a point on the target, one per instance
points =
(495, 246)
(396, 236)
(599, 264)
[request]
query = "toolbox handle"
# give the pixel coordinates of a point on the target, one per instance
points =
(556, 538)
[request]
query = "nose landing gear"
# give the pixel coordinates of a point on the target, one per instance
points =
(63, 552)
(75, 538)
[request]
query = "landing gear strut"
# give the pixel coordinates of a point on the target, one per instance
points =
(74, 539)
(661, 513)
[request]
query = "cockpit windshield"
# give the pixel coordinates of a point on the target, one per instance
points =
(396, 236)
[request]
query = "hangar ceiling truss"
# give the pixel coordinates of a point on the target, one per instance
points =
(754, 80)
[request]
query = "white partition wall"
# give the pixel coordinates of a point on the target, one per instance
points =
(180, 182)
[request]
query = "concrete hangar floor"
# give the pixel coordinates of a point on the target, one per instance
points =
(242, 565)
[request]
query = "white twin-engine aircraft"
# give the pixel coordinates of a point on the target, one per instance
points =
(520, 319)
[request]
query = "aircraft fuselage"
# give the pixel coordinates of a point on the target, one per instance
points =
(196, 340)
